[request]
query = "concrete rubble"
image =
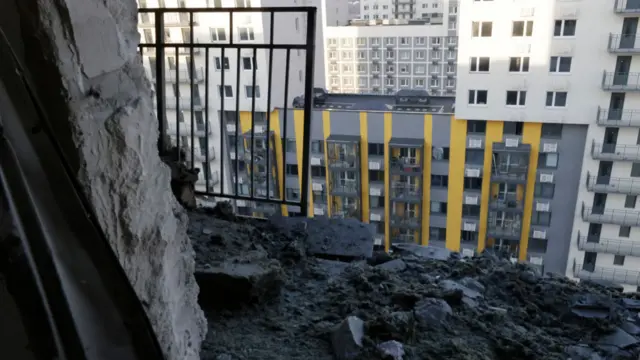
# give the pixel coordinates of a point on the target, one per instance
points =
(274, 297)
(82, 58)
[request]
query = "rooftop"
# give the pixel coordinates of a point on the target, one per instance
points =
(362, 102)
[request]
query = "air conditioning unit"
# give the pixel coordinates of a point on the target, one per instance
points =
(546, 178)
(539, 234)
(511, 142)
(467, 253)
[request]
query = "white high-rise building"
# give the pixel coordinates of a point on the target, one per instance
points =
(428, 10)
(226, 102)
(559, 81)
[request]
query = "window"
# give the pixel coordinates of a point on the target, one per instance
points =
(560, 64)
(376, 149)
(481, 28)
(437, 234)
(228, 91)
(218, 34)
(376, 176)
(246, 33)
(551, 130)
(516, 98)
(556, 99)
(635, 170)
(291, 169)
(565, 28)
(548, 160)
(440, 153)
(470, 210)
(476, 126)
(618, 260)
(249, 63)
(519, 64)
(522, 28)
(243, 3)
(438, 207)
(513, 128)
(439, 180)
(474, 156)
(317, 146)
(219, 62)
(419, 82)
(544, 190)
(630, 201)
(318, 171)
(148, 35)
(542, 218)
(293, 194)
(252, 91)
(479, 64)
(290, 145)
(471, 183)
(478, 97)
(625, 231)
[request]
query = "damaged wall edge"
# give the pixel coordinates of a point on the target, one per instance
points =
(111, 140)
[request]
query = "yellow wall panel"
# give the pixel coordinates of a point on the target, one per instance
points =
(364, 165)
(493, 134)
(298, 121)
(388, 127)
(530, 135)
(326, 128)
(275, 127)
(426, 178)
(457, 148)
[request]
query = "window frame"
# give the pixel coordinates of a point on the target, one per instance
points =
(476, 62)
(476, 93)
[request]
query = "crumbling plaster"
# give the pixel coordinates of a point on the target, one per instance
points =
(109, 135)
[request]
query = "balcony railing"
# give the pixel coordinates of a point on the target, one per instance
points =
(509, 202)
(618, 117)
(608, 246)
(403, 239)
(613, 152)
(276, 70)
(617, 276)
(174, 18)
(345, 189)
(624, 43)
(399, 191)
(344, 161)
(621, 81)
(504, 231)
(506, 172)
(626, 7)
(616, 217)
(606, 184)
(406, 164)
(406, 221)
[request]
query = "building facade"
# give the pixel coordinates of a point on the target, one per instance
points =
(384, 58)
(544, 65)
(433, 11)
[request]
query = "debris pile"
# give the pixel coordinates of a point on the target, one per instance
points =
(271, 291)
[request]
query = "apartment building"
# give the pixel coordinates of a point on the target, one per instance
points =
(433, 11)
(383, 57)
(190, 99)
(421, 175)
(544, 65)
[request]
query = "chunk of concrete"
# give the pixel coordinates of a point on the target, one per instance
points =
(428, 252)
(396, 265)
(230, 285)
(391, 350)
(450, 285)
(432, 312)
(347, 338)
(344, 238)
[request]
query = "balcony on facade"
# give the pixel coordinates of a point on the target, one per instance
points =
(613, 275)
(626, 7)
(615, 152)
(594, 243)
(621, 81)
(600, 215)
(177, 19)
(261, 165)
(507, 197)
(504, 225)
(405, 216)
(510, 162)
(624, 44)
(184, 102)
(343, 156)
(406, 157)
(612, 185)
(404, 236)
(618, 117)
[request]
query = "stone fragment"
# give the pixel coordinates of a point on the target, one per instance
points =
(396, 265)
(391, 350)
(450, 285)
(582, 352)
(331, 237)
(431, 311)
(230, 284)
(429, 252)
(528, 277)
(472, 284)
(347, 338)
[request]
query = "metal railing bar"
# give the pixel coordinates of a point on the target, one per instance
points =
(160, 81)
(269, 85)
(297, 9)
(248, 198)
(178, 110)
(191, 85)
(227, 46)
(207, 174)
(253, 125)
(285, 120)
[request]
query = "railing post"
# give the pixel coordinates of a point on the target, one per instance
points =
(160, 86)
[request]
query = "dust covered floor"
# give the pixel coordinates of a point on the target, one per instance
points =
(266, 299)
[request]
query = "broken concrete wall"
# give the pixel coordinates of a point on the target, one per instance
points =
(109, 135)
